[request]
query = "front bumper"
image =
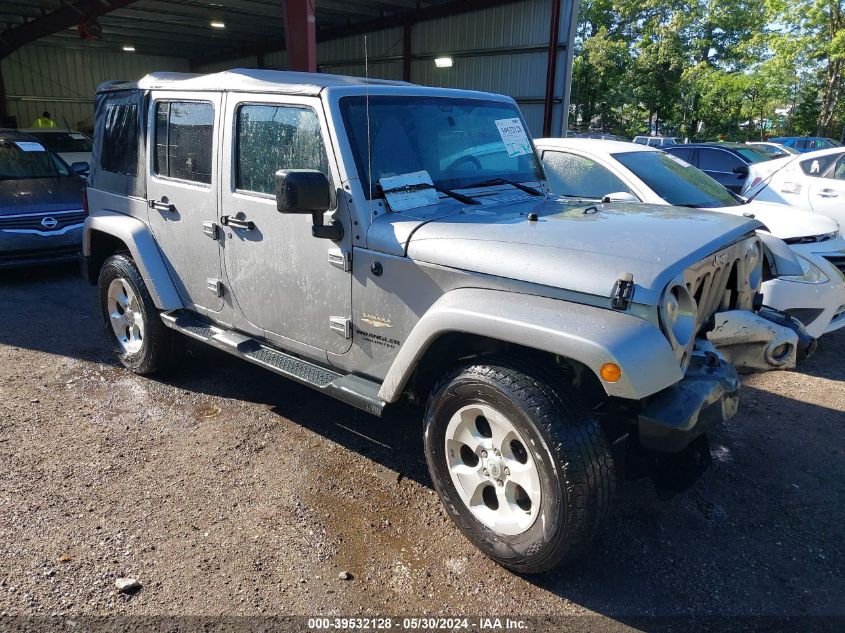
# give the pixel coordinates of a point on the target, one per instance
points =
(819, 306)
(675, 417)
(31, 249)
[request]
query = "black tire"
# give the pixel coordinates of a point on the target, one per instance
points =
(569, 448)
(160, 345)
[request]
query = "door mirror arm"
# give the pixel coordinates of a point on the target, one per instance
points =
(333, 231)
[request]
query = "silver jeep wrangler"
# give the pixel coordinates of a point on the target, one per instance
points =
(378, 240)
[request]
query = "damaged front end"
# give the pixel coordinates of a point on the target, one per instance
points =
(760, 341)
(718, 299)
(712, 317)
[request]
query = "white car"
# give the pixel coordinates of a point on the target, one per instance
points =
(658, 141)
(612, 171)
(72, 146)
(813, 181)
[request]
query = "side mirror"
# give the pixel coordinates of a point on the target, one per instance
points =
(619, 196)
(741, 171)
(80, 169)
(307, 191)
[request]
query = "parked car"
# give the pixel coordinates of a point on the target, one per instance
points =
(307, 223)
(601, 135)
(41, 203)
(815, 294)
(814, 181)
(803, 144)
(774, 150)
(72, 146)
(726, 163)
(658, 141)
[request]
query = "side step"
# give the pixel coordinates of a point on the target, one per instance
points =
(354, 390)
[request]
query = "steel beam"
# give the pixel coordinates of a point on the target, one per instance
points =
(406, 51)
(64, 18)
(551, 66)
(301, 35)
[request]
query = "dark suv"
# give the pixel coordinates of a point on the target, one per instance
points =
(726, 163)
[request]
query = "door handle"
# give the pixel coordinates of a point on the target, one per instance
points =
(235, 223)
(828, 193)
(160, 205)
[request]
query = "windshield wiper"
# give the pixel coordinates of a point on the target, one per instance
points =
(457, 196)
(505, 181)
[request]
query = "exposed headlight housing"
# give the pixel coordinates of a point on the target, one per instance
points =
(812, 274)
(678, 312)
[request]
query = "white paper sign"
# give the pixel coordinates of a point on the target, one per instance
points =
(30, 146)
(514, 136)
(409, 191)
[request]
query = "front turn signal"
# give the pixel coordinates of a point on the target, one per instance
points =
(611, 372)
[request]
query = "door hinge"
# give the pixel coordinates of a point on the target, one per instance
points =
(340, 259)
(623, 292)
(211, 230)
(215, 286)
(341, 325)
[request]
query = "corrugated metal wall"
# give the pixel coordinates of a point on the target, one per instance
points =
(501, 49)
(62, 80)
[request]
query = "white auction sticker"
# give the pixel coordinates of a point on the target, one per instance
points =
(30, 146)
(514, 136)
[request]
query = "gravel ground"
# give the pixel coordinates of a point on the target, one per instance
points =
(227, 490)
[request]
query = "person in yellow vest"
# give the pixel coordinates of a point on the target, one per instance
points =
(44, 120)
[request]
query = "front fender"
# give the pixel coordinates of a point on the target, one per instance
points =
(592, 336)
(144, 250)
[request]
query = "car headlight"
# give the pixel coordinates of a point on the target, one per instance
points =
(812, 274)
(677, 314)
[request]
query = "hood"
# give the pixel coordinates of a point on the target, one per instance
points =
(573, 245)
(785, 222)
(40, 194)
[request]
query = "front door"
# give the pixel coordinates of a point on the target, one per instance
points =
(283, 281)
(182, 191)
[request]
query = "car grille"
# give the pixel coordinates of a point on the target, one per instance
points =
(726, 280)
(838, 261)
(34, 221)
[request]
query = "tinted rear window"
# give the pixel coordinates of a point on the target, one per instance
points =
(119, 151)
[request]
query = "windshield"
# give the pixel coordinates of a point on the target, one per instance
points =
(753, 155)
(64, 141)
(20, 160)
(459, 142)
(676, 181)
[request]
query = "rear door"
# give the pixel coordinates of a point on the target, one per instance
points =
(827, 193)
(182, 191)
(719, 164)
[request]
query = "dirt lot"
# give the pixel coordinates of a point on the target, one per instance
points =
(227, 490)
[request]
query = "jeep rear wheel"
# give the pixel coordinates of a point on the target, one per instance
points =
(138, 337)
(522, 467)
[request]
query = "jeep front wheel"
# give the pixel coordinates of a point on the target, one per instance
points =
(522, 467)
(141, 342)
